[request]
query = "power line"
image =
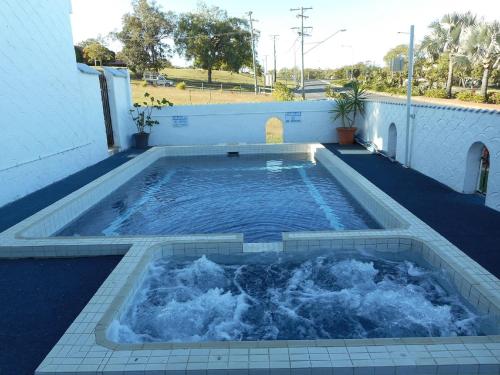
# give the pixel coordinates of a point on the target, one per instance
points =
(324, 40)
(302, 34)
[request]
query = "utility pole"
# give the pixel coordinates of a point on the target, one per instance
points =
(253, 50)
(274, 53)
(301, 34)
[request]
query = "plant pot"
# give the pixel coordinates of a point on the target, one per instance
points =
(346, 135)
(141, 140)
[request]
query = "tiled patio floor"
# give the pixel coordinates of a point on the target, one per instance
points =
(461, 218)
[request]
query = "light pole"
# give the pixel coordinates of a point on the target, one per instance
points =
(408, 94)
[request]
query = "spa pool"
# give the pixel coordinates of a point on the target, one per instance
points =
(292, 296)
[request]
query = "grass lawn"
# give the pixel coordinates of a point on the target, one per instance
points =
(196, 96)
(229, 80)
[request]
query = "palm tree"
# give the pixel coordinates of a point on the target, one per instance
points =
(446, 37)
(483, 47)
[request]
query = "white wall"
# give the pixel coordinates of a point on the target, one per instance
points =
(51, 115)
(441, 139)
(120, 102)
(243, 123)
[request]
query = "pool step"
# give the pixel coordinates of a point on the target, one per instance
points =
(256, 247)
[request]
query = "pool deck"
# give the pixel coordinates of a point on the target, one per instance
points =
(462, 219)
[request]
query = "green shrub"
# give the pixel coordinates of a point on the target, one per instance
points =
(181, 85)
(330, 92)
(470, 96)
(494, 97)
(436, 93)
(144, 84)
(282, 93)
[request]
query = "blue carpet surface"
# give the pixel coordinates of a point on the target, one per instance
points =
(40, 298)
(462, 218)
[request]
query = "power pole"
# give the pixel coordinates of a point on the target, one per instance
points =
(302, 34)
(253, 50)
(274, 53)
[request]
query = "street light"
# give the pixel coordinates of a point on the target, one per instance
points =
(324, 40)
(408, 93)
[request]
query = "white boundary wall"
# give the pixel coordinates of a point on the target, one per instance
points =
(303, 122)
(444, 142)
(52, 121)
(120, 103)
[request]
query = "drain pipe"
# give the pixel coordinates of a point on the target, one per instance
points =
(408, 97)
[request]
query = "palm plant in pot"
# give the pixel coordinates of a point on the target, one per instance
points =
(141, 114)
(350, 102)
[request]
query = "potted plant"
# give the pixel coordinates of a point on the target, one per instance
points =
(141, 114)
(350, 102)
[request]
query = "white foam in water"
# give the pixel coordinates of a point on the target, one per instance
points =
(279, 297)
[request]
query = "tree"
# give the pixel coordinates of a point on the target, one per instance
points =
(97, 52)
(79, 54)
(483, 48)
(144, 36)
(446, 37)
(94, 50)
(214, 40)
(400, 50)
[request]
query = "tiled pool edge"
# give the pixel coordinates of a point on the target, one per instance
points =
(81, 348)
(78, 352)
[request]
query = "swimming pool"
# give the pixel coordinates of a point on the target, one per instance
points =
(260, 196)
(398, 232)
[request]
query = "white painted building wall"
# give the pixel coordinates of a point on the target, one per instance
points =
(51, 114)
(441, 139)
(308, 121)
(120, 103)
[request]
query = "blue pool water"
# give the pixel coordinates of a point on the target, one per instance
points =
(258, 195)
(283, 296)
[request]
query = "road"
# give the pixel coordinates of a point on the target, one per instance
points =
(315, 89)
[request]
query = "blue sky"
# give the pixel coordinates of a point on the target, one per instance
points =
(372, 26)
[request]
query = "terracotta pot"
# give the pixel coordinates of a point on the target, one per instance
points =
(346, 135)
(141, 140)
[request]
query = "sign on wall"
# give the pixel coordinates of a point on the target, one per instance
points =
(179, 121)
(291, 117)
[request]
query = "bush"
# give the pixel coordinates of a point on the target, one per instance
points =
(181, 85)
(436, 93)
(144, 84)
(331, 92)
(470, 96)
(494, 97)
(282, 93)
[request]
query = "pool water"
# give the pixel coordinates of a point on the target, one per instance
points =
(283, 296)
(260, 196)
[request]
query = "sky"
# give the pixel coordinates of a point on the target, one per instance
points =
(372, 26)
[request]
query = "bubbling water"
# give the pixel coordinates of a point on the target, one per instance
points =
(280, 297)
